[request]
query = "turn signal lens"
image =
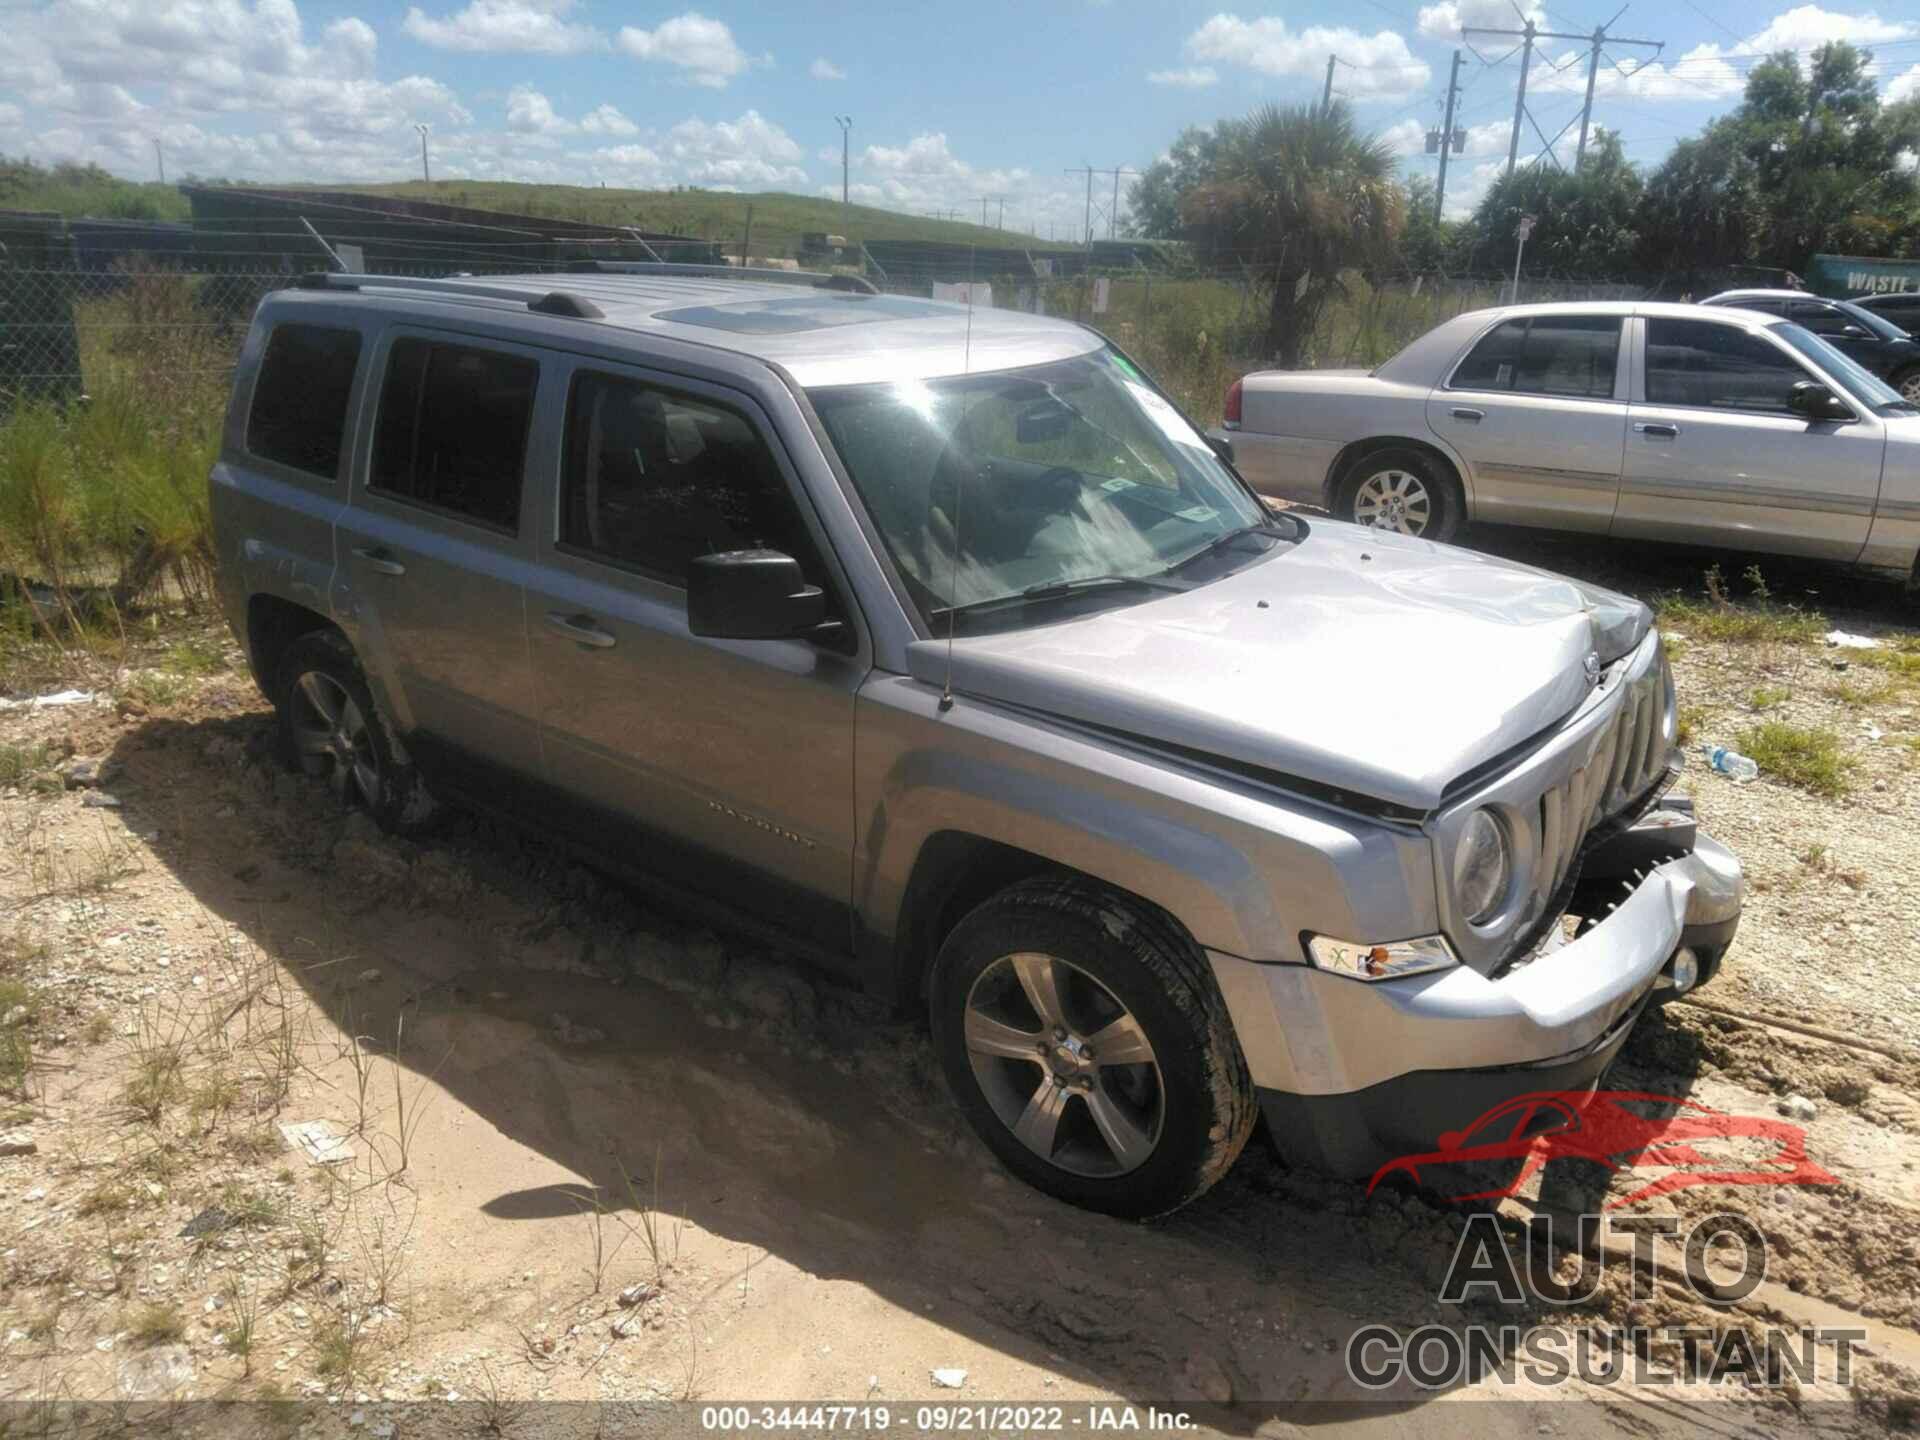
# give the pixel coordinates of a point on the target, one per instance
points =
(1393, 961)
(1232, 415)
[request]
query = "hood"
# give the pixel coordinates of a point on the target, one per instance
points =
(1367, 662)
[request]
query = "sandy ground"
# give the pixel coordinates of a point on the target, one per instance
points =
(601, 1154)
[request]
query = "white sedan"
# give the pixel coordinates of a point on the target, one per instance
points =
(1637, 421)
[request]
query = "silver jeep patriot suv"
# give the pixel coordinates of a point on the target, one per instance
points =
(941, 646)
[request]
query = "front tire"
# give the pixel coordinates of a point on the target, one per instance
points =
(1403, 491)
(1907, 382)
(1085, 1039)
(331, 729)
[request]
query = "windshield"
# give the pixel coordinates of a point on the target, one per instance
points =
(1070, 477)
(1869, 389)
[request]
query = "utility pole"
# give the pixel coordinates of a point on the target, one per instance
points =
(1326, 96)
(1596, 41)
(160, 159)
(845, 122)
(1000, 222)
(746, 245)
(425, 174)
(1446, 141)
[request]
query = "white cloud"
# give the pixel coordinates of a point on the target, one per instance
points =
(1704, 73)
(825, 69)
(704, 48)
(1192, 77)
(531, 113)
(925, 176)
(1376, 66)
(1903, 86)
(534, 27)
(1445, 20)
(750, 151)
(607, 120)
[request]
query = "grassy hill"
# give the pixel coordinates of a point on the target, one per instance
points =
(779, 219)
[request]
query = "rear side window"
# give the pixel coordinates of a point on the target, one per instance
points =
(300, 397)
(452, 431)
(654, 478)
(1717, 367)
(1570, 355)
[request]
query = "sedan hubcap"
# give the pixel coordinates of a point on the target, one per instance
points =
(331, 737)
(1910, 389)
(1064, 1065)
(1394, 500)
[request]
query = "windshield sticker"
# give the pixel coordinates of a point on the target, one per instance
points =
(1117, 484)
(1199, 514)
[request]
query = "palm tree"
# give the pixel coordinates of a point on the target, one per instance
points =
(1299, 195)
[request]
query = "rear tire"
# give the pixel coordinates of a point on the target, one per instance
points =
(1028, 992)
(1907, 382)
(331, 730)
(1405, 491)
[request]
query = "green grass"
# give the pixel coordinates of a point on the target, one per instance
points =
(157, 1325)
(1800, 755)
(779, 219)
(1688, 723)
(1765, 697)
(1732, 623)
(1874, 692)
(19, 763)
(75, 190)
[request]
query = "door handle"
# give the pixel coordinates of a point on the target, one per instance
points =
(580, 629)
(1655, 430)
(380, 562)
(1466, 413)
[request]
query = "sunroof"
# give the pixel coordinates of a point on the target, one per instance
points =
(792, 313)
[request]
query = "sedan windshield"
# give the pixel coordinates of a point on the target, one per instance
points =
(999, 491)
(1869, 389)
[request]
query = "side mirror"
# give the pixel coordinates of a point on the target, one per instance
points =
(1817, 402)
(751, 595)
(1222, 447)
(1853, 332)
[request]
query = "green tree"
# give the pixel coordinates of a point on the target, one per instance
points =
(1299, 195)
(1586, 220)
(1156, 198)
(1811, 161)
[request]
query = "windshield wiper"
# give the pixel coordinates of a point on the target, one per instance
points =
(1220, 542)
(1054, 589)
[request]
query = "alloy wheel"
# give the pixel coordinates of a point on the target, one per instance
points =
(1910, 388)
(1064, 1065)
(332, 739)
(1394, 500)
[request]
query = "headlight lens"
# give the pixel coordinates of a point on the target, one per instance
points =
(1380, 962)
(1482, 867)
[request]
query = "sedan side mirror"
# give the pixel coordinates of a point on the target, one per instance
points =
(1817, 402)
(1853, 332)
(1222, 447)
(751, 595)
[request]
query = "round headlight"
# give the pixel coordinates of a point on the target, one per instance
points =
(1482, 867)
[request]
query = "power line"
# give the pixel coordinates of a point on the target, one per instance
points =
(1596, 42)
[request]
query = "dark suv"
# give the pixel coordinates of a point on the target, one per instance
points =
(1872, 341)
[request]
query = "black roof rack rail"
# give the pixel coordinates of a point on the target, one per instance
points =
(554, 302)
(817, 279)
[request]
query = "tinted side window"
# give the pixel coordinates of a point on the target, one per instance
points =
(452, 431)
(1820, 319)
(654, 478)
(1719, 367)
(1490, 364)
(300, 397)
(1569, 355)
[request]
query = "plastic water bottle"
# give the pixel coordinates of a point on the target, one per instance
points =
(1730, 763)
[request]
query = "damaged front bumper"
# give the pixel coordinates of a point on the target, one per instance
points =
(1353, 1075)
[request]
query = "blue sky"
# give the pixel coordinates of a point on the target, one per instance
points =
(948, 104)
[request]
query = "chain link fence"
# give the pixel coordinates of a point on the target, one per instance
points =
(175, 326)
